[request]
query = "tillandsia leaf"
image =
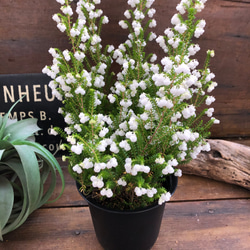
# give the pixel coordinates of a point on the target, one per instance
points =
(44, 196)
(50, 160)
(27, 165)
(5, 145)
(1, 153)
(10, 121)
(31, 170)
(21, 129)
(1, 120)
(5, 119)
(20, 216)
(9, 154)
(6, 202)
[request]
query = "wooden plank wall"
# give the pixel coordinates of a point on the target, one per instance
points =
(27, 32)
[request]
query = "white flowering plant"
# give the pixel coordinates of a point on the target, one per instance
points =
(127, 131)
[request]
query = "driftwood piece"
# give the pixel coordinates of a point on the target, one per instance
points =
(227, 161)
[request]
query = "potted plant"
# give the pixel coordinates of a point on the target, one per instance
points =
(127, 132)
(24, 168)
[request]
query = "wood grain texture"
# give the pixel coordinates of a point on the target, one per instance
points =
(203, 214)
(202, 225)
(186, 191)
(27, 32)
(205, 225)
(227, 161)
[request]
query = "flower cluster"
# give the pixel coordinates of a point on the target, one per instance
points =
(126, 132)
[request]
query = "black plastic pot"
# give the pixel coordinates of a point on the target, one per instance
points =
(128, 230)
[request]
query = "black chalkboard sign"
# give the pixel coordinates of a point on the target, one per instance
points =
(38, 103)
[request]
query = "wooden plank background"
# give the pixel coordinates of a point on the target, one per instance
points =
(213, 225)
(205, 215)
(27, 32)
(211, 190)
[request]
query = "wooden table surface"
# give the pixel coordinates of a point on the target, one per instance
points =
(202, 214)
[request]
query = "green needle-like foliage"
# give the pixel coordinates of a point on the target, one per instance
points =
(131, 118)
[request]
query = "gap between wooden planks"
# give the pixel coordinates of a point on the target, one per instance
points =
(203, 214)
(202, 225)
(190, 188)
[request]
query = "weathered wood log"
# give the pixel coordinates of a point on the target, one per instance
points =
(227, 161)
